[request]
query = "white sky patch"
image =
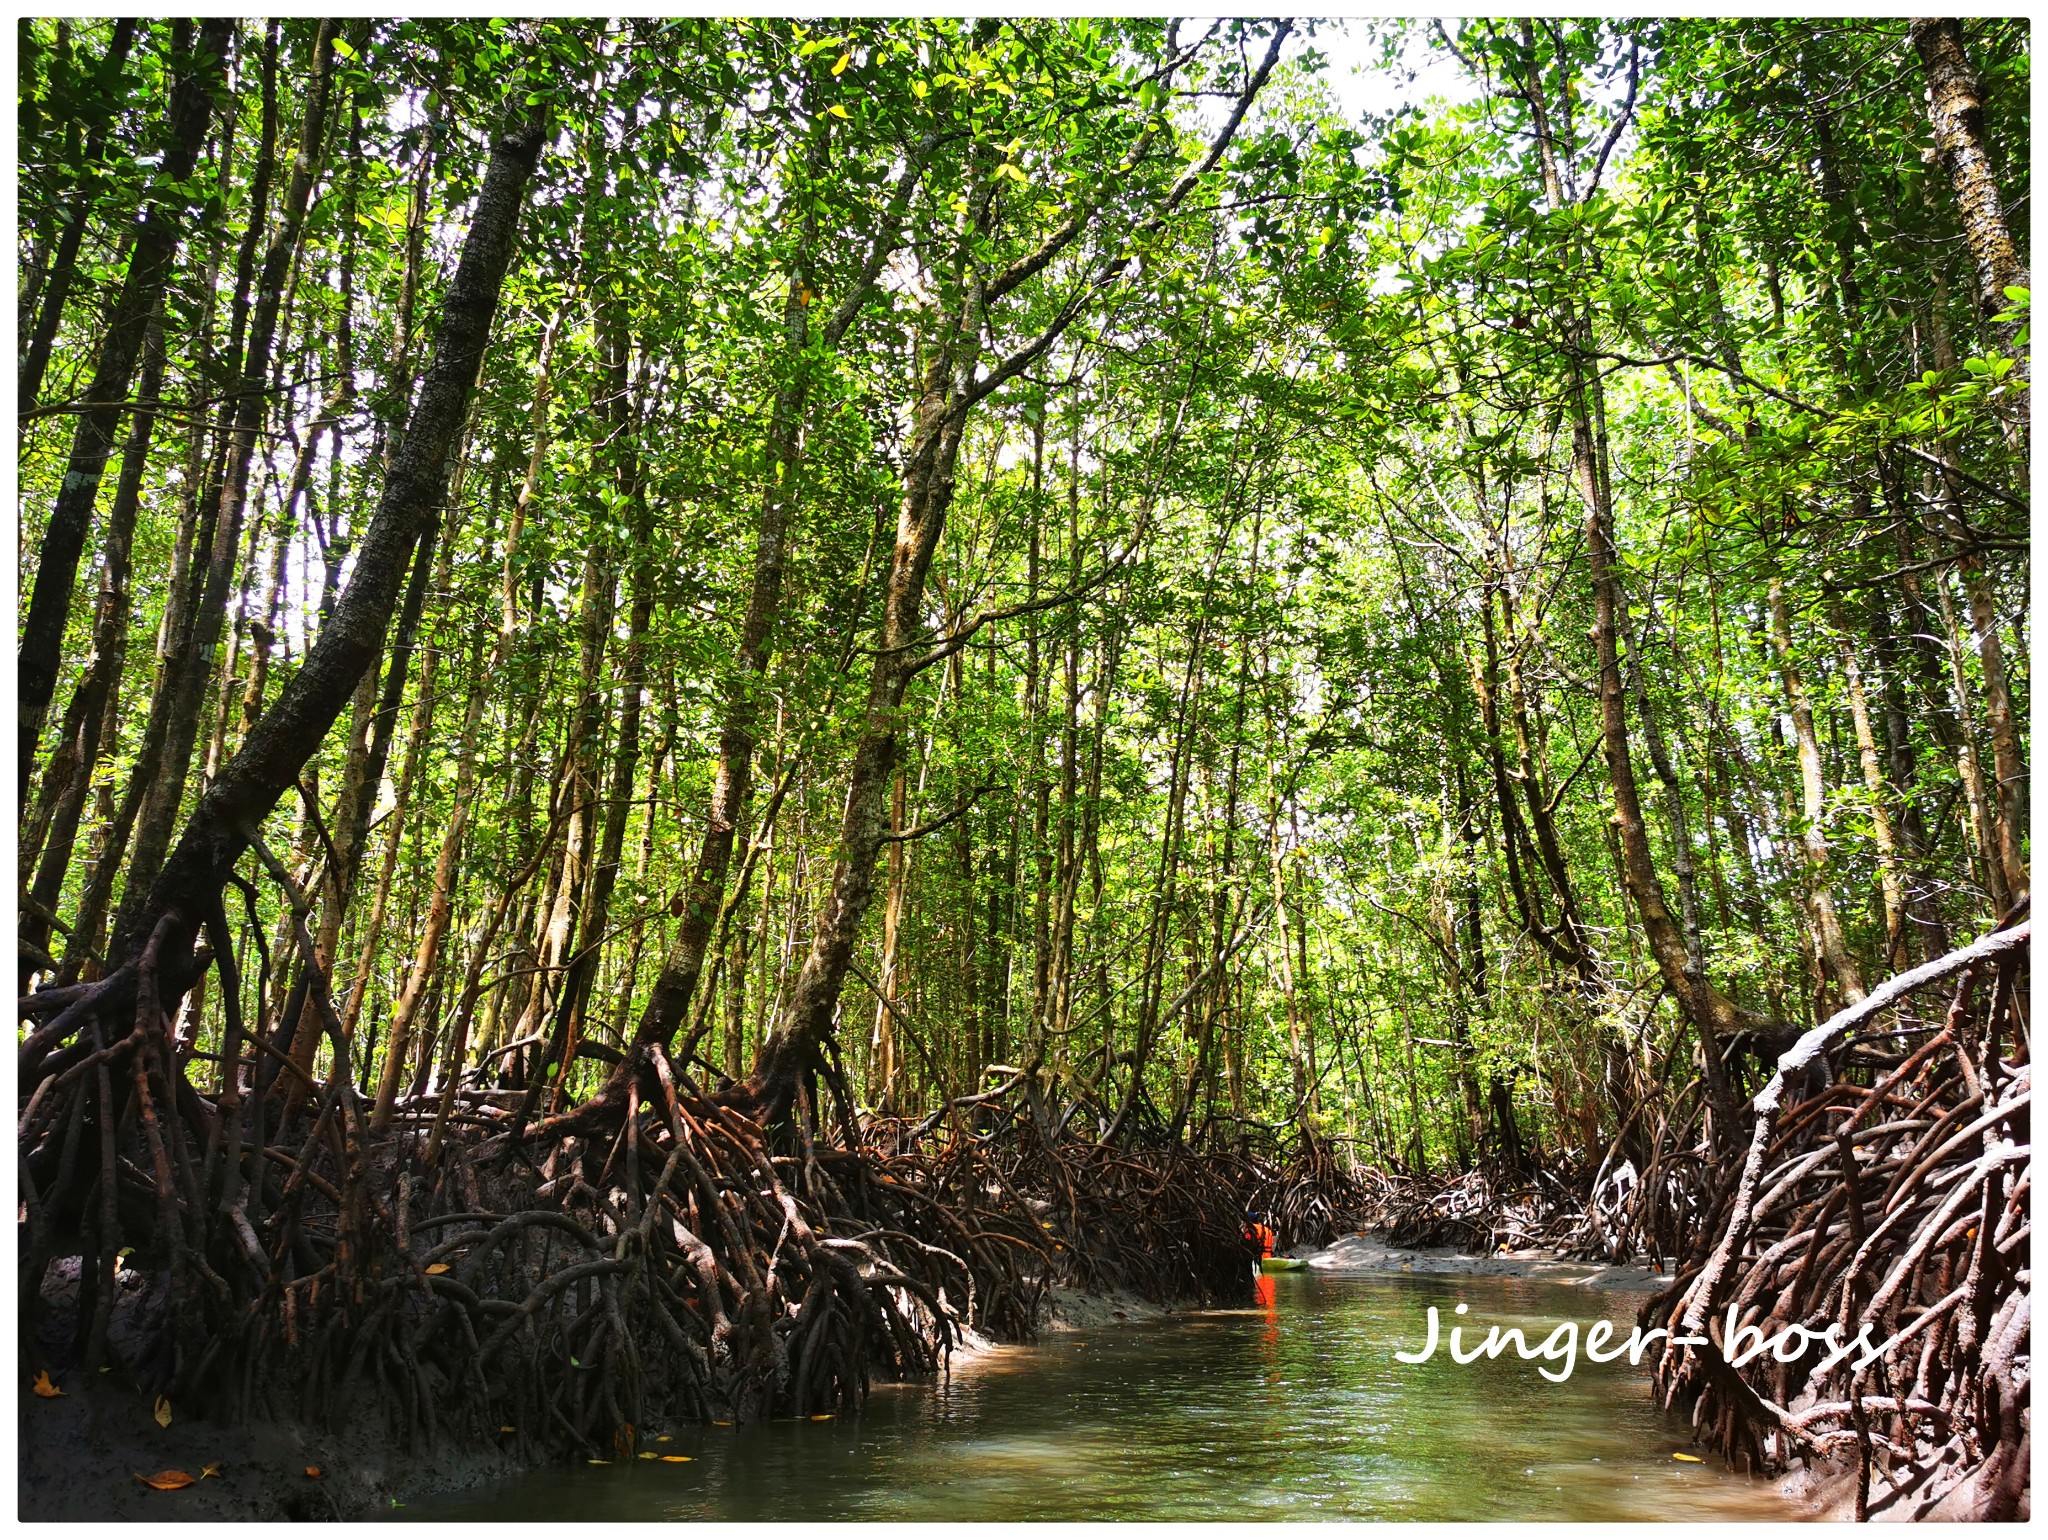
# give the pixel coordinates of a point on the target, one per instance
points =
(1358, 83)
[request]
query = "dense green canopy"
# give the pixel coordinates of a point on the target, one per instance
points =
(1043, 547)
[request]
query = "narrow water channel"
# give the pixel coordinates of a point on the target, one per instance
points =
(1295, 1410)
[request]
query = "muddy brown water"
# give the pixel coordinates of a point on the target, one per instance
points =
(1297, 1409)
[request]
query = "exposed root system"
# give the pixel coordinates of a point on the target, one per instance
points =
(655, 1256)
(1314, 1196)
(1884, 1199)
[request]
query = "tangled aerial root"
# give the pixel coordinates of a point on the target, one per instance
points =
(1310, 1197)
(1898, 1206)
(655, 1255)
(1470, 1211)
(1612, 1214)
(663, 1265)
(1165, 1222)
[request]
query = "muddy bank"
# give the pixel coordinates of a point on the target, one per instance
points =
(1368, 1256)
(79, 1454)
(1077, 1309)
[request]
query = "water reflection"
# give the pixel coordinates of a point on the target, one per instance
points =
(1295, 1408)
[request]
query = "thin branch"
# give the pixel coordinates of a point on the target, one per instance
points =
(934, 825)
(1622, 120)
(1113, 267)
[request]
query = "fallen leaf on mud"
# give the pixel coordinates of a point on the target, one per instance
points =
(821, 1417)
(313, 1471)
(721, 1425)
(508, 1428)
(212, 1469)
(1690, 1459)
(649, 1454)
(43, 1387)
(598, 1462)
(678, 1459)
(436, 1269)
(661, 1438)
(162, 1412)
(165, 1480)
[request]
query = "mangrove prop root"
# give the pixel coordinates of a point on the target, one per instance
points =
(1887, 1203)
(659, 1256)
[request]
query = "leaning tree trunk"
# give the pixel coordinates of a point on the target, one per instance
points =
(1706, 1005)
(949, 391)
(1836, 962)
(623, 410)
(184, 1150)
(440, 907)
(98, 694)
(223, 826)
(1710, 1010)
(927, 495)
